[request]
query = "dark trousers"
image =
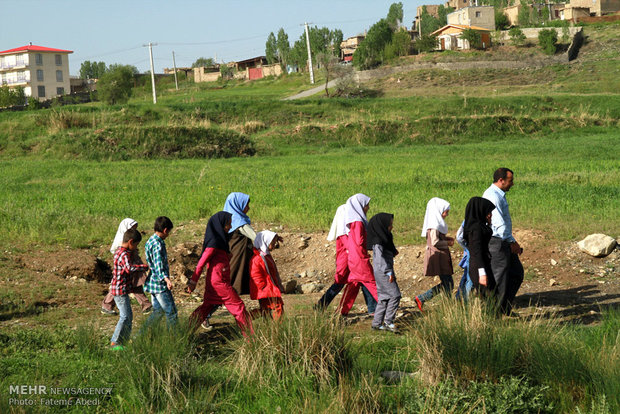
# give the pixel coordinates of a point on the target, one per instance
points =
(333, 291)
(508, 273)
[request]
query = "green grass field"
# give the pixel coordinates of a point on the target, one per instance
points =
(69, 175)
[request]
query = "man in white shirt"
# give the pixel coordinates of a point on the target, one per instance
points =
(504, 249)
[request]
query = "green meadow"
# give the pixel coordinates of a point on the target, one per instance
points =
(69, 174)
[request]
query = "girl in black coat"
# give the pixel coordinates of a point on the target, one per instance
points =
(477, 232)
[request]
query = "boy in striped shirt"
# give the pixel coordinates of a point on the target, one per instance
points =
(120, 286)
(158, 283)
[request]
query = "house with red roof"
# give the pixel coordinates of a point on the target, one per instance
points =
(43, 72)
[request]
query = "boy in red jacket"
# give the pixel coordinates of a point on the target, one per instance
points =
(265, 283)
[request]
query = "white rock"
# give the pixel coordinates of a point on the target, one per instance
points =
(553, 282)
(311, 287)
(553, 262)
(597, 245)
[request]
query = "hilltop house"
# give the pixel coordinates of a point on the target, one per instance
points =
(478, 16)
(596, 7)
(555, 11)
(349, 46)
(449, 37)
(249, 69)
(43, 72)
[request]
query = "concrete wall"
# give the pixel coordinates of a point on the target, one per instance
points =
(201, 76)
(467, 17)
(532, 32)
(272, 70)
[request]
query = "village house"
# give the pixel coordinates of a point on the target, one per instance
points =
(571, 13)
(250, 69)
(43, 72)
(597, 7)
(478, 16)
(349, 46)
(449, 37)
(555, 11)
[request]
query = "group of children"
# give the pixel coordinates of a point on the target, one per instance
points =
(238, 261)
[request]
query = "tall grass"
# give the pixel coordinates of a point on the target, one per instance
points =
(467, 343)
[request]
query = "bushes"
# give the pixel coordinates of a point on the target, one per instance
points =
(516, 36)
(547, 40)
(115, 85)
(12, 97)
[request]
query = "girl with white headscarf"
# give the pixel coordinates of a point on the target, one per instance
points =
(265, 283)
(360, 269)
(437, 260)
(138, 278)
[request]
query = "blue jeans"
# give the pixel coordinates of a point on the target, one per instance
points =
(163, 303)
(465, 286)
(122, 332)
(446, 285)
(334, 289)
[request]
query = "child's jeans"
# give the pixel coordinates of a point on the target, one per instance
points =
(163, 303)
(123, 327)
(333, 291)
(446, 285)
(465, 286)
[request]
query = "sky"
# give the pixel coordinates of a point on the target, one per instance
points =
(115, 31)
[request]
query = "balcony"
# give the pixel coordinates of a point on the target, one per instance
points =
(20, 64)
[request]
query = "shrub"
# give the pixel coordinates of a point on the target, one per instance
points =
(12, 97)
(426, 43)
(516, 36)
(547, 40)
(473, 37)
(115, 86)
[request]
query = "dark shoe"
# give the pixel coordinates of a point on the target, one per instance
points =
(376, 328)
(419, 303)
(108, 311)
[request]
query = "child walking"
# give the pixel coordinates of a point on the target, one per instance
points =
(121, 284)
(218, 290)
(437, 260)
(339, 232)
(137, 278)
(265, 282)
(361, 272)
(158, 282)
(381, 242)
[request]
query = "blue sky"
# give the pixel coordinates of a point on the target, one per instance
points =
(114, 31)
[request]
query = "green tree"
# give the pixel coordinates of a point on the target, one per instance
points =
(544, 14)
(442, 13)
(283, 47)
(395, 15)
(523, 17)
(92, 70)
(115, 86)
(328, 63)
(370, 51)
(401, 42)
(203, 62)
(336, 39)
(271, 49)
(428, 23)
(425, 43)
(227, 72)
(547, 39)
(473, 37)
(12, 97)
(501, 20)
(516, 36)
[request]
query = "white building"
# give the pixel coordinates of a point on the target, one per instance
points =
(43, 72)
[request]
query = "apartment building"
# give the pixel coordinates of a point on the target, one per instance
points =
(43, 72)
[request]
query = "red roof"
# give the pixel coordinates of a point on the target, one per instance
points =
(34, 48)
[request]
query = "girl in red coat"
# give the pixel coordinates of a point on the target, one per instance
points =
(218, 290)
(265, 283)
(360, 269)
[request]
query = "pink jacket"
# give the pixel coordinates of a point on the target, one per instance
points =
(359, 260)
(217, 284)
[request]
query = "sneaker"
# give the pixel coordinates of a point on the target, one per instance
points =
(108, 311)
(391, 327)
(376, 328)
(419, 303)
(147, 310)
(206, 325)
(116, 347)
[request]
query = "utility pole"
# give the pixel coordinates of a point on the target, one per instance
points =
(309, 54)
(174, 63)
(150, 45)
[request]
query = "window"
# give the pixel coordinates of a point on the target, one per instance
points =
(39, 75)
(38, 59)
(58, 60)
(41, 91)
(60, 91)
(59, 76)
(477, 14)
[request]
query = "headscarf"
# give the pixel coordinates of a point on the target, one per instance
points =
(215, 236)
(476, 213)
(432, 219)
(338, 227)
(378, 232)
(354, 210)
(263, 240)
(235, 204)
(125, 225)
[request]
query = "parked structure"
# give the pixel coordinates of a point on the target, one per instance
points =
(43, 72)
(478, 16)
(349, 46)
(449, 37)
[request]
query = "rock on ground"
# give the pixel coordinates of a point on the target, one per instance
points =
(597, 245)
